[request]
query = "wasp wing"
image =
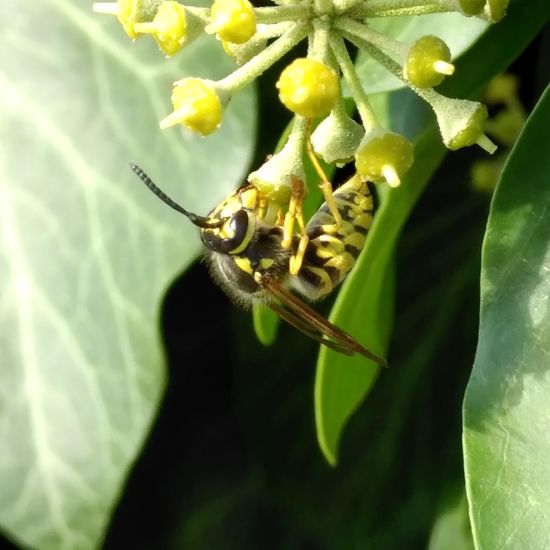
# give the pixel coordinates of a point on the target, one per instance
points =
(298, 323)
(307, 320)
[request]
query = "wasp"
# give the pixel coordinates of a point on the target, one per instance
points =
(245, 248)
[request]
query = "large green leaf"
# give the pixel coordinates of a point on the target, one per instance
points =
(342, 382)
(506, 408)
(87, 252)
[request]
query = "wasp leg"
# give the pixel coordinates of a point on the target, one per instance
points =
(326, 188)
(295, 262)
(295, 213)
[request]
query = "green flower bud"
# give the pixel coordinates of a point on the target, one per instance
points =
(496, 9)
(384, 155)
(275, 177)
(337, 137)
(471, 7)
(461, 123)
(428, 62)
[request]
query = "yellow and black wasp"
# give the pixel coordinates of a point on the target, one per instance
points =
(248, 257)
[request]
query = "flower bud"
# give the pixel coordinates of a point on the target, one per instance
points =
(275, 177)
(471, 7)
(168, 27)
(496, 9)
(428, 62)
(308, 88)
(129, 12)
(232, 20)
(337, 137)
(384, 155)
(197, 106)
(461, 123)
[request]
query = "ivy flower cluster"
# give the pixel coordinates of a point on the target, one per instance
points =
(311, 86)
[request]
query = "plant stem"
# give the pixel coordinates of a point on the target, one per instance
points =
(259, 63)
(384, 60)
(348, 69)
(390, 8)
(366, 33)
(276, 14)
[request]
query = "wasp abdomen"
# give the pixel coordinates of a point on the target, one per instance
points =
(333, 249)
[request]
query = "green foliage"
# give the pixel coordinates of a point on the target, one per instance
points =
(506, 432)
(87, 255)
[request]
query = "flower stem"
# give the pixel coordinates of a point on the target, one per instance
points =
(384, 60)
(259, 63)
(323, 7)
(366, 33)
(272, 30)
(389, 8)
(203, 14)
(318, 46)
(276, 14)
(348, 69)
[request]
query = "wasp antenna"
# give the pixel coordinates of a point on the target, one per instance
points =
(160, 194)
(197, 220)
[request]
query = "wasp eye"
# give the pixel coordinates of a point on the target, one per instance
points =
(232, 237)
(231, 226)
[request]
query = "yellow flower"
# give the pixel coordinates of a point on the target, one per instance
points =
(232, 20)
(197, 106)
(127, 12)
(308, 87)
(168, 27)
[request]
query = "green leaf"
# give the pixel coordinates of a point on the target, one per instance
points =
(86, 253)
(457, 31)
(343, 382)
(506, 408)
(365, 304)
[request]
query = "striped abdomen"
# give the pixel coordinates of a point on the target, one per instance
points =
(331, 252)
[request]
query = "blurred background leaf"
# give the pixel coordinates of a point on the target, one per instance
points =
(87, 253)
(506, 409)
